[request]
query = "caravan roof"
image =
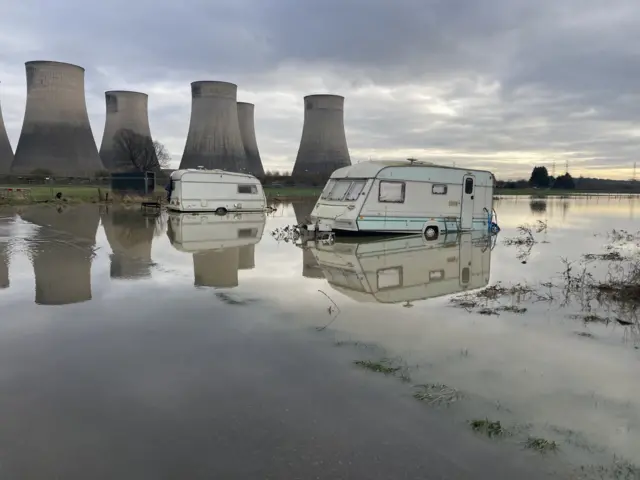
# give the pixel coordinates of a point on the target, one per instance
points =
(178, 174)
(371, 168)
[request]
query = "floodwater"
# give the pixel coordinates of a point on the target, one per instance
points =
(208, 347)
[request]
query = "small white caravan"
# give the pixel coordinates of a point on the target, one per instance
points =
(194, 232)
(406, 268)
(405, 197)
(197, 190)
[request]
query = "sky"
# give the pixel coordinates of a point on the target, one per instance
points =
(498, 84)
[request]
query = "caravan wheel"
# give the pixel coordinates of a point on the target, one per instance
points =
(431, 233)
(221, 211)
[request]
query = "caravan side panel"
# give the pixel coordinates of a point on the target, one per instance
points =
(206, 192)
(432, 196)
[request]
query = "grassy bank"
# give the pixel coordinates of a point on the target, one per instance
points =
(91, 193)
(535, 192)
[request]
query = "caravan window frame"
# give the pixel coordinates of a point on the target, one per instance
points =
(403, 191)
(253, 188)
(345, 196)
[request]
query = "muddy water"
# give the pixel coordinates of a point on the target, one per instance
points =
(176, 346)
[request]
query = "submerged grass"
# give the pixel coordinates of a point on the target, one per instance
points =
(619, 469)
(541, 445)
(490, 428)
(437, 394)
(381, 366)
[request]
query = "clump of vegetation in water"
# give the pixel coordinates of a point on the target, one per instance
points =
(437, 394)
(491, 429)
(620, 469)
(541, 445)
(387, 366)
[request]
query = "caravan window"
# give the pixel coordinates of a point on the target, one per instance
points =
(439, 189)
(327, 189)
(355, 190)
(247, 189)
(391, 192)
(468, 186)
(339, 190)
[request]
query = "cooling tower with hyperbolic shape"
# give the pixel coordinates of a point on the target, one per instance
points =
(56, 133)
(323, 146)
(214, 140)
(248, 133)
(61, 251)
(130, 236)
(126, 143)
(310, 267)
(216, 268)
(6, 153)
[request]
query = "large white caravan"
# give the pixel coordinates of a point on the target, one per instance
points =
(197, 190)
(405, 197)
(405, 268)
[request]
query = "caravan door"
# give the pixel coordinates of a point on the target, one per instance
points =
(466, 214)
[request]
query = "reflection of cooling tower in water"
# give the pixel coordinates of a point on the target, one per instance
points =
(247, 259)
(130, 235)
(4, 265)
(62, 251)
(217, 268)
(310, 267)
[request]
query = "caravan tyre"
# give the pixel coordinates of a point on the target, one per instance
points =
(431, 233)
(221, 211)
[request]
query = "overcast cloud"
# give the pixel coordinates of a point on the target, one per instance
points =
(499, 84)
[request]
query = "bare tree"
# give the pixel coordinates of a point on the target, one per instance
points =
(163, 155)
(137, 151)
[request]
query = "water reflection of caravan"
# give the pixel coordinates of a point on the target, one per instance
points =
(221, 245)
(405, 269)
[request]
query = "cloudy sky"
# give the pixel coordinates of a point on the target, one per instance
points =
(499, 84)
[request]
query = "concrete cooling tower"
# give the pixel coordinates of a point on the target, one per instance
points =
(126, 143)
(214, 139)
(310, 267)
(247, 259)
(130, 236)
(56, 133)
(323, 146)
(62, 251)
(216, 268)
(248, 133)
(6, 153)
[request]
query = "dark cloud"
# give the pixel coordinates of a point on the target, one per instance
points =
(499, 83)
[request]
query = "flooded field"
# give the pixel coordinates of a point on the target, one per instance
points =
(186, 346)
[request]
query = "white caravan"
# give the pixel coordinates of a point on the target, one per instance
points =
(197, 190)
(405, 197)
(406, 268)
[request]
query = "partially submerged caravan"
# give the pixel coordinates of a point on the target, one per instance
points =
(197, 190)
(406, 268)
(405, 197)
